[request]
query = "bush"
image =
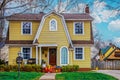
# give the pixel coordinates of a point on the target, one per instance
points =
(70, 68)
(2, 62)
(27, 68)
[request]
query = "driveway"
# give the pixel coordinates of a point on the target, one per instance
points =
(115, 73)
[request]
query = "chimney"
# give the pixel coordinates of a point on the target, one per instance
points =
(87, 9)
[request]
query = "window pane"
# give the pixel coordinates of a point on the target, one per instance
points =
(78, 53)
(64, 56)
(53, 25)
(27, 27)
(79, 28)
(26, 53)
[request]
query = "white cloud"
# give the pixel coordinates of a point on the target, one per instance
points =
(114, 25)
(116, 41)
(100, 14)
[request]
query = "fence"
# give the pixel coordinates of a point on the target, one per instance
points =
(106, 65)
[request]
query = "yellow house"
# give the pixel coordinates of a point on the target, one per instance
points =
(110, 52)
(58, 39)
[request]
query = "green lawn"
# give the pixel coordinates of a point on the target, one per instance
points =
(83, 76)
(23, 76)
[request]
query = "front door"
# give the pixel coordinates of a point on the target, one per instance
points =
(52, 56)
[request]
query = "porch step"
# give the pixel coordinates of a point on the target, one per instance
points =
(48, 76)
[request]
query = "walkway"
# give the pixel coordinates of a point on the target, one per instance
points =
(48, 76)
(115, 73)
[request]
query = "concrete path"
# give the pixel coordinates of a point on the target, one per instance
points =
(115, 73)
(48, 76)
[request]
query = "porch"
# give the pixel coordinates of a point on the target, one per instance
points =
(46, 53)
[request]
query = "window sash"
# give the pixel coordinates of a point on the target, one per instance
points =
(78, 28)
(26, 53)
(53, 25)
(64, 55)
(26, 27)
(79, 53)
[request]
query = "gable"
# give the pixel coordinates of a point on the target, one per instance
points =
(44, 34)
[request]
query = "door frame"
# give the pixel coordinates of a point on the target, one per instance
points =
(49, 54)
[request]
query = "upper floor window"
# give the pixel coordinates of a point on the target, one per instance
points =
(26, 52)
(26, 27)
(78, 28)
(53, 25)
(79, 53)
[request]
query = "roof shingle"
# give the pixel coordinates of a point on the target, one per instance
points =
(67, 16)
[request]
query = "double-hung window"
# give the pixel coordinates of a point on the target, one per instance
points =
(79, 53)
(53, 25)
(26, 27)
(78, 28)
(26, 52)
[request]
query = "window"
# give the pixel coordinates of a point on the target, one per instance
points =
(79, 53)
(26, 28)
(53, 25)
(26, 53)
(64, 55)
(78, 28)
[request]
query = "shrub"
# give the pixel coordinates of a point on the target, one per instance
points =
(27, 68)
(70, 68)
(2, 62)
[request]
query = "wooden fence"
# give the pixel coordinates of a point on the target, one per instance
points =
(106, 65)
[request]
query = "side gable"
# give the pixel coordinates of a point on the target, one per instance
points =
(41, 26)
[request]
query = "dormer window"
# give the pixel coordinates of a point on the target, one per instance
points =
(78, 28)
(26, 27)
(53, 25)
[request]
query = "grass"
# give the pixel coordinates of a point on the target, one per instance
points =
(23, 75)
(83, 76)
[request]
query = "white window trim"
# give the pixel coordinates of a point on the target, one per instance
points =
(22, 28)
(83, 53)
(50, 25)
(60, 56)
(74, 28)
(30, 51)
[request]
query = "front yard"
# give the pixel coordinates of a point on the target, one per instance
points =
(23, 75)
(83, 76)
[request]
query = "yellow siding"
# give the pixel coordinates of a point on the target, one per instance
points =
(108, 52)
(87, 31)
(50, 37)
(15, 31)
(53, 37)
(86, 63)
(13, 53)
(112, 56)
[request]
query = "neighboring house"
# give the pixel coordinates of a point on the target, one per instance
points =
(110, 52)
(58, 39)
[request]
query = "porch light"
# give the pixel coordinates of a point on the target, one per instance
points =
(36, 42)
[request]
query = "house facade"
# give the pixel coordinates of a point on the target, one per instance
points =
(110, 52)
(58, 39)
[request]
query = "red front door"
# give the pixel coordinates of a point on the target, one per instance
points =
(52, 56)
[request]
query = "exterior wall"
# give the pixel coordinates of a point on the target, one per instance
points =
(108, 52)
(87, 31)
(50, 37)
(112, 55)
(15, 30)
(86, 63)
(13, 54)
(54, 37)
